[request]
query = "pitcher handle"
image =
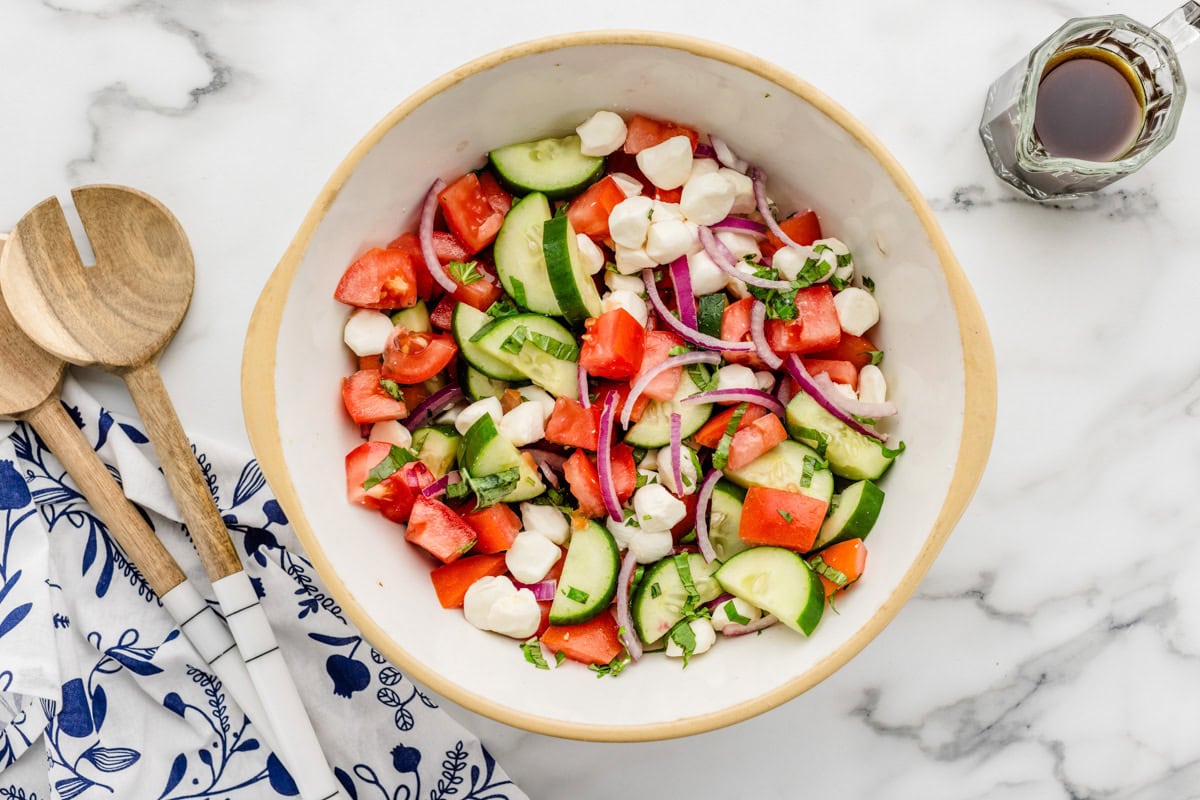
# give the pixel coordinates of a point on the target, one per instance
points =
(1182, 26)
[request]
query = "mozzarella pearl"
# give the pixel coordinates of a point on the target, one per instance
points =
(667, 164)
(706, 276)
(590, 253)
(391, 432)
(545, 521)
(629, 221)
(531, 556)
(872, 388)
(524, 425)
(602, 134)
(633, 303)
(856, 309)
(657, 509)
(367, 332)
(668, 240)
(704, 634)
(471, 414)
(707, 199)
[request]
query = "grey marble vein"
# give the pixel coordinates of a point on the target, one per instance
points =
(1120, 204)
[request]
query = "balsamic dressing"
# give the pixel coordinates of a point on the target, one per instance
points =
(1090, 106)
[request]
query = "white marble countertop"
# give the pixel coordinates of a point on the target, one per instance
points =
(1053, 649)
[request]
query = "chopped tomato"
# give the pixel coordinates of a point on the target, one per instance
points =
(643, 132)
(593, 642)
(668, 195)
(622, 390)
(838, 371)
(545, 609)
(848, 557)
(710, 435)
(735, 327)
(397, 492)
(657, 345)
(855, 349)
(366, 401)
(803, 228)
(415, 394)
(437, 530)
(584, 483)
(573, 425)
(447, 248)
(415, 357)
(359, 463)
(624, 471)
(815, 328)
(495, 527)
(626, 164)
(589, 212)
(688, 523)
(755, 439)
(379, 278)
(781, 518)
(451, 581)
(493, 192)
(613, 345)
(370, 362)
(469, 214)
(480, 293)
(442, 315)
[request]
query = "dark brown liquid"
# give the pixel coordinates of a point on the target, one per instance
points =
(1090, 106)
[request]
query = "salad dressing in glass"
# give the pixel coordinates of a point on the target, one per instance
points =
(1090, 105)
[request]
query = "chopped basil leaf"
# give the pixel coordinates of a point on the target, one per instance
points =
(489, 489)
(732, 612)
(678, 350)
(396, 458)
(612, 668)
(518, 291)
(688, 538)
(563, 351)
(533, 653)
(655, 590)
(392, 388)
(819, 439)
(892, 453)
(876, 356)
(637, 577)
(465, 272)
(638, 454)
(844, 259)
(559, 657)
(721, 457)
(868, 284)
(684, 568)
(642, 480)
(838, 283)
(515, 340)
(703, 375)
(454, 491)
(683, 635)
(551, 497)
(578, 595)
(821, 568)
(811, 465)
(502, 308)
(863, 420)
(788, 518)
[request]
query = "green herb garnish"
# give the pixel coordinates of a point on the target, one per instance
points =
(788, 518)
(578, 595)
(396, 458)
(518, 291)
(819, 439)
(721, 457)
(732, 612)
(559, 657)
(533, 653)
(563, 351)
(876, 356)
(502, 308)
(392, 388)
(612, 669)
(868, 284)
(683, 635)
(891, 453)
(821, 568)
(811, 465)
(655, 589)
(465, 272)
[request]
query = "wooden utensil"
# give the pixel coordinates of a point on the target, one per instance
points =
(118, 315)
(30, 392)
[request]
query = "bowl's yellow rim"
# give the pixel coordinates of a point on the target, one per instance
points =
(258, 397)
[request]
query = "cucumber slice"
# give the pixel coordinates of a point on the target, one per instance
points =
(520, 262)
(657, 603)
(778, 581)
(709, 312)
(589, 576)
(465, 323)
(573, 286)
(437, 447)
(724, 519)
(654, 428)
(851, 454)
(556, 167)
(479, 386)
(782, 467)
(415, 319)
(485, 452)
(854, 514)
(556, 375)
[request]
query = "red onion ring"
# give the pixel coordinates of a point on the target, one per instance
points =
(741, 225)
(425, 232)
(639, 386)
(724, 260)
(608, 489)
(581, 377)
(685, 298)
(691, 335)
(548, 472)
(856, 407)
(438, 487)
(704, 151)
(758, 335)
(756, 396)
(543, 591)
(765, 621)
(677, 452)
(629, 636)
(799, 373)
(443, 397)
(706, 490)
(555, 460)
(726, 156)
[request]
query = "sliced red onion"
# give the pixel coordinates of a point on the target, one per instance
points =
(629, 636)
(756, 396)
(425, 232)
(639, 386)
(765, 621)
(691, 335)
(758, 335)
(555, 460)
(764, 208)
(799, 373)
(581, 377)
(850, 405)
(726, 156)
(749, 227)
(365, 430)
(548, 472)
(677, 452)
(681, 279)
(724, 260)
(706, 490)
(443, 397)
(704, 151)
(608, 489)
(721, 599)
(783, 392)
(438, 487)
(543, 591)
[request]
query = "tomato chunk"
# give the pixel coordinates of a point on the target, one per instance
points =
(481, 292)
(855, 349)
(803, 228)
(668, 195)
(838, 371)
(735, 327)
(379, 278)
(437, 530)
(781, 518)
(613, 345)
(624, 471)
(447, 248)
(656, 347)
(589, 212)
(593, 642)
(643, 132)
(848, 557)
(451, 581)
(755, 439)
(622, 390)
(573, 425)
(710, 435)
(398, 492)
(493, 192)
(366, 401)
(442, 315)
(584, 483)
(495, 528)
(359, 463)
(415, 357)
(469, 214)
(815, 328)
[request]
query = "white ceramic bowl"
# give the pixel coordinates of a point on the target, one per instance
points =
(939, 364)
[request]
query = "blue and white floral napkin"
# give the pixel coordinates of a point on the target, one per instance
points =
(101, 698)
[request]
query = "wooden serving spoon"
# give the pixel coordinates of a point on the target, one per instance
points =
(30, 392)
(119, 315)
